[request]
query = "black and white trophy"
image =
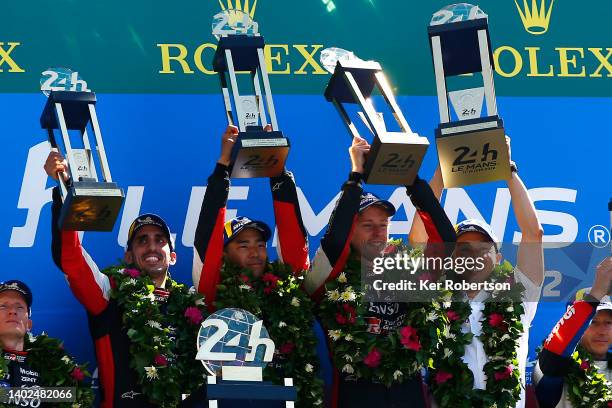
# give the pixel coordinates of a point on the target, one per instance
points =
(235, 347)
(88, 204)
(471, 145)
(395, 156)
(257, 153)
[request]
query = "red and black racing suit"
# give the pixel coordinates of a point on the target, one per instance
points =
(292, 245)
(118, 381)
(555, 359)
(383, 317)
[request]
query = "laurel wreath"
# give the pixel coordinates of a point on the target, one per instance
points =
(277, 299)
(46, 355)
(162, 344)
(388, 358)
(451, 381)
(586, 386)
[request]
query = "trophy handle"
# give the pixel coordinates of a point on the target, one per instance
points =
(62, 176)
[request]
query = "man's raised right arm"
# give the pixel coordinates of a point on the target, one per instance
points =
(334, 250)
(90, 286)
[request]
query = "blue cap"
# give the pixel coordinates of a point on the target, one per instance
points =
(20, 287)
(149, 219)
(369, 199)
(474, 225)
(234, 226)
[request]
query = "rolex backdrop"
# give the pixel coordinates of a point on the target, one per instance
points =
(161, 114)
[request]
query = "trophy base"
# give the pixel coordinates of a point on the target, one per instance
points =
(473, 151)
(364, 73)
(91, 206)
(75, 106)
(244, 52)
(395, 158)
(259, 154)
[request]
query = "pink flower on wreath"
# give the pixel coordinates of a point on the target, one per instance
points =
(194, 315)
(610, 404)
(427, 276)
(495, 320)
(340, 319)
(244, 278)
(504, 374)
(160, 360)
(585, 365)
(131, 272)
(287, 348)
(270, 279)
(452, 315)
(351, 313)
(77, 374)
(442, 377)
(410, 338)
(390, 250)
(373, 358)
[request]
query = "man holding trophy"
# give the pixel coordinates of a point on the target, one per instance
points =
(145, 355)
(231, 266)
(460, 45)
(386, 373)
(233, 256)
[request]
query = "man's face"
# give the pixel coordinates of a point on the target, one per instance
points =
(597, 338)
(14, 318)
(476, 245)
(248, 250)
(371, 232)
(150, 251)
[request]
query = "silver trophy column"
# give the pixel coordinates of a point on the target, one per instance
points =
(394, 157)
(257, 153)
(471, 147)
(88, 204)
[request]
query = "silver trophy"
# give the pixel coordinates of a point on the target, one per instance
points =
(88, 204)
(257, 153)
(471, 147)
(394, 157)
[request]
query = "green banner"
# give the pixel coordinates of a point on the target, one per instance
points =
(541, 48)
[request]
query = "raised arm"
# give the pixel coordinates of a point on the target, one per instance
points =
(440, 233)
(334, 250)
(418, 235)
(90, 286)
(530, 258)
(292, 237)
(208, 241)
(554, 361)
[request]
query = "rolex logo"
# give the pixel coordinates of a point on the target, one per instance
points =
(536, 18)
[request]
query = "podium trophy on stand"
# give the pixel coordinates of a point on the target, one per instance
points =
(394, 157)
(88, 204)
(471, 147)
(235, 347)
(257, 153)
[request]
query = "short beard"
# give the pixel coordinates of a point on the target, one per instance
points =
(153, 273)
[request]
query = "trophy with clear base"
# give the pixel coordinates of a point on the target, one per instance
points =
(395, 156)
(257, 152)
(471, 145)
(88, 204)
